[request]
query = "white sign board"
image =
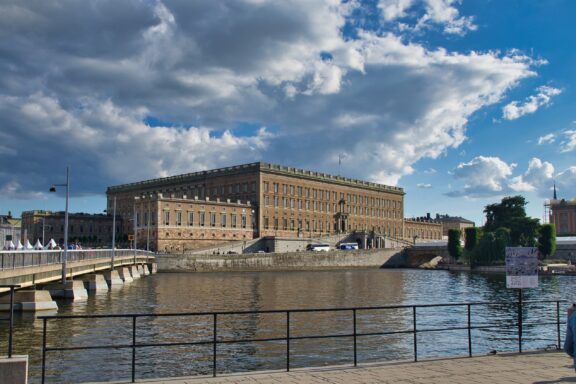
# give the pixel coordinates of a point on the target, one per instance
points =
(521, 267)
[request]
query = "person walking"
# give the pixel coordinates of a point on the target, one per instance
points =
(571, 334)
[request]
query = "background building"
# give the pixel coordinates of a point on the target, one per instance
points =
(423, 228)
(9, 230)
(83, 228)
(453, 222)
(562, 213)
(174, 224)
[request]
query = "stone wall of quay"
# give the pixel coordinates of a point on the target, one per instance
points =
(292, 261)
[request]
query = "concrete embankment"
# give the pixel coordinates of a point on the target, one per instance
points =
(295, 261)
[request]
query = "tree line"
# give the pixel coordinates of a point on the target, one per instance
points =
(506, 226)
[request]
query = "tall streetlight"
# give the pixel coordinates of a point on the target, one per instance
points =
(113, 234)
(148, 225)
(136, 199)
(53, 189)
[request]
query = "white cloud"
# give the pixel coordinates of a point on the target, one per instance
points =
(547, 139)
(427, 13)
(211, 69)
(394, 9)
(537, 177)
(568, 144)
(491, 177)
(13, 190)
(566, 183)
(515, 109)
(483, 176)
(424, 185)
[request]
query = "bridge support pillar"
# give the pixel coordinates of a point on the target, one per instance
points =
(14, 370)
(152, 267)
(29, 300)
(124, 273)
(72, 289)
(113, 278)
(135, 271)
(95, 282)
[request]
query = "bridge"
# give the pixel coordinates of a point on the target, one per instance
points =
(421, 254)
(40, 274)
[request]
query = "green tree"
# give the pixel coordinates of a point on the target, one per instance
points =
(454, 246)
(491, 248)
(510, 213)
(472, 235)
(547, 240)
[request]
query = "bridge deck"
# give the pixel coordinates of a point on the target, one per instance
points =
(38, 267)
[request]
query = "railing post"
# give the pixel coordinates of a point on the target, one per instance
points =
(558, 322)
(214, 346)
(520, 320)
(11, 326)
(44, 349)
(287, 341)
(355, 340)
(414, 331)
(469, 333)
(133, 349)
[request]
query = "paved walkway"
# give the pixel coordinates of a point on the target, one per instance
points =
(534, 368)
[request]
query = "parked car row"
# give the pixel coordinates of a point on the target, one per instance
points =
(326, 247)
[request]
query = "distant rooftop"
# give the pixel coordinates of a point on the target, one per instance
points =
(261, 166)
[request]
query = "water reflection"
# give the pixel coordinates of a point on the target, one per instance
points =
(171, 293)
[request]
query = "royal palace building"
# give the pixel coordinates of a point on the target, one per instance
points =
(250, 201)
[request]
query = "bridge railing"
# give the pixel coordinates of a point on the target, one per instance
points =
(31, 258)
(289, 330)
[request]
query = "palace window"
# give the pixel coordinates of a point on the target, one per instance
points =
(166, 217)
(202, 218)
(213, 219)
(178, 218)
(223, 220)
(190, 218)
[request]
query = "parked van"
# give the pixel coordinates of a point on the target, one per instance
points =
(348, 246)
(318, 247)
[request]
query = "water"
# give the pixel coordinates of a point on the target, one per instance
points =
(164, 293)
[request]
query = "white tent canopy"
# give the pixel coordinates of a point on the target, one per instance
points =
(9, 245)
(27, 245)
(19, 246)
(38, 245)
(51, 244)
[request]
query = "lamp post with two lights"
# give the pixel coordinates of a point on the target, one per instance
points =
(65, 255)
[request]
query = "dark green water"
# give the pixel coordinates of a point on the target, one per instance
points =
(164, 293)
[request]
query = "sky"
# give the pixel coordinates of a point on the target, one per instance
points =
(461, 103)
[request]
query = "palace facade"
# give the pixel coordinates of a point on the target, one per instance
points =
(250, 201)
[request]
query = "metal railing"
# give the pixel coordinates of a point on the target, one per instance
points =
(23, 259)
(10, 317)
(215, 340)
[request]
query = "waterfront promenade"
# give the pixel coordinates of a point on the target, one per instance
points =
(511, 368)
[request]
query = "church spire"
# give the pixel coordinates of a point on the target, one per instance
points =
(555, 197)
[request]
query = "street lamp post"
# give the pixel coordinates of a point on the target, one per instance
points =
(136, 198)
(43, 229)
(113, 234)
(65, 256)
(148, 225)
